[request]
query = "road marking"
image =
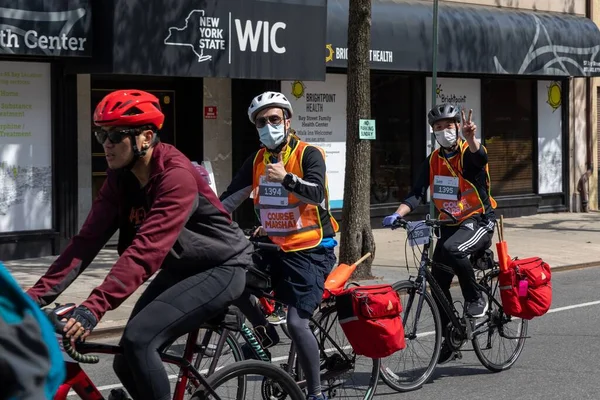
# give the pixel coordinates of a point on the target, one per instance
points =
(276, 359)
(552, 310)
(591, 303)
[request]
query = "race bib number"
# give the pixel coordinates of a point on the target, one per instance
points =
(272, 193)
(445, 187)
(280, 221)
(418, 233)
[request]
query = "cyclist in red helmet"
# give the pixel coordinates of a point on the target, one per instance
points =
(169, 219)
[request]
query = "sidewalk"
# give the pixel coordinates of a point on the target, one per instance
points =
(563, 239)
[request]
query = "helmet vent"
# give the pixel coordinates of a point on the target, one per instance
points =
(117, 104)
(133, 111)
(126, 103)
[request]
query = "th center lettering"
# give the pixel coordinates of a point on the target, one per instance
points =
(33, 40)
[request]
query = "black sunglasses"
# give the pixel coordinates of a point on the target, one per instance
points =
(271, 119)
(115, 136)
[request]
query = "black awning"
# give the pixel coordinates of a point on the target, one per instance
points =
(46, 28)
(472, 39)
(255, 39)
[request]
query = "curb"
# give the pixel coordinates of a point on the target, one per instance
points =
(104, 333)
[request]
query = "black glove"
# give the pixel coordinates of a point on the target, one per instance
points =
(84, 316)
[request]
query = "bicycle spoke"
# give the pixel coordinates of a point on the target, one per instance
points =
(408, 369)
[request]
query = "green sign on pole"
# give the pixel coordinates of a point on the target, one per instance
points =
(366, 129)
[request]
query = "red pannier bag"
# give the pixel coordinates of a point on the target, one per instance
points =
(370, 319)
(525, 288)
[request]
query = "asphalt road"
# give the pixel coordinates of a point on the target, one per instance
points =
(560, 360)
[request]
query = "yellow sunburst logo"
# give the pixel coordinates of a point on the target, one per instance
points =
(554, 96)
(298, 89)
(329, 57)
(438, 90)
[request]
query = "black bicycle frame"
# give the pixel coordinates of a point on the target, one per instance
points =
(100, 348)
(424, 276)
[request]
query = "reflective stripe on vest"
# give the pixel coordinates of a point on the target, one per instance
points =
(469, 203)
(289, 223)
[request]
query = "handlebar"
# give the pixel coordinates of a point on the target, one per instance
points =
(265, 246)
(260, 242)
(435, 223)
(55, 316)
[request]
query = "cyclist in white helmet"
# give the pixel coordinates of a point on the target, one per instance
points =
(288, 180)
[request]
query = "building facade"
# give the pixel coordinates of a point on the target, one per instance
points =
(526, 72)
(38, 130)
(187, 54)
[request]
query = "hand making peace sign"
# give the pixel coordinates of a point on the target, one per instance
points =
(469, 127)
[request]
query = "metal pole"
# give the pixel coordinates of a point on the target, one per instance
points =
(433, 93)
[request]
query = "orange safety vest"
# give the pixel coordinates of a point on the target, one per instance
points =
(289, 223)
(450, 190)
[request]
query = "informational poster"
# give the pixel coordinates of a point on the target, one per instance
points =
(320, 119)
(25, 147)
(550, 178)
(464, 93)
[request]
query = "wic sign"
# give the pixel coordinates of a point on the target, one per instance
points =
(233, 38)
(251, 34)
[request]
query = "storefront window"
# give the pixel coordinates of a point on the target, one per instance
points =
(390, 152)
(25, 147)
(508, 130)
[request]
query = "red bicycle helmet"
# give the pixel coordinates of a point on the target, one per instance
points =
(129, 107)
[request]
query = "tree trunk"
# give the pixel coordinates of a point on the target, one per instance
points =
(357, 237)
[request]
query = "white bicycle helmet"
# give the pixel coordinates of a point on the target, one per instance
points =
(268, 100)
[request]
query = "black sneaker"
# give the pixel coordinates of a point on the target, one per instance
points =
(477, 308)
(250, 354)
(267, 336)
(446, 354)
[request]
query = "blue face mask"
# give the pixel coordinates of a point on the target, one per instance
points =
(272, 135)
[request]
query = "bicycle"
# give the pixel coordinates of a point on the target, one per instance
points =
(203, 386)
(337, 363)
(267, 304)
(417, 301)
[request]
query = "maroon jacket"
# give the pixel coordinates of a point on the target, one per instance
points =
(175, 221)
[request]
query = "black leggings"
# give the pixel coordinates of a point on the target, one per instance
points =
(453, 249)
(172, 306)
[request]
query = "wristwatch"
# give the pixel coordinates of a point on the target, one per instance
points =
(290, 181)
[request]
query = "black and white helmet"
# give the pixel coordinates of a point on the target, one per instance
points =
(443, 111)
(268, 100)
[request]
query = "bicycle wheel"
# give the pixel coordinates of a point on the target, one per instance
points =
(498, 339)
(343, 375)
(410, 368)
(203, 357)
(262, 380)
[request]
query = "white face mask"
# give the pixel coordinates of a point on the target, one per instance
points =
(272, 135)
(446, 138)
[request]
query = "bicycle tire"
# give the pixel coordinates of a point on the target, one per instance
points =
(230, 341)
(267, 370)
(387, 375)
(498, 317)
(374, 377)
